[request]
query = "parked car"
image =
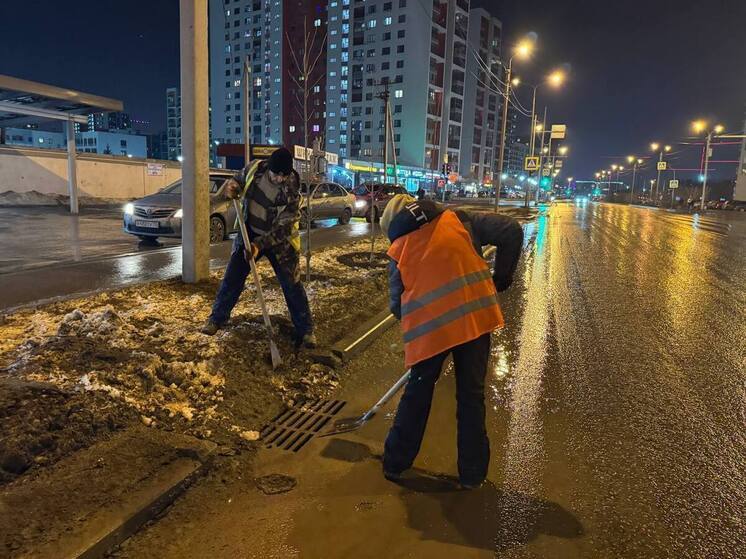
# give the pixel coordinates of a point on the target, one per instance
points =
(371, 199)
(737, 206)
(159, 215)
(329, 200)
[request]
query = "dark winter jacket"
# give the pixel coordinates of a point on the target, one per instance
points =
(282, 214)
(500, 231)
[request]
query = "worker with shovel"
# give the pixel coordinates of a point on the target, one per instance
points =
(443, 293)
(271, 212)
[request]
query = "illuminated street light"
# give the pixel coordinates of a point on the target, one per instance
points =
(524, 49)
(654, 146)
(539, 127)
(556, 78)
(614, 167)
(700, 126)
(545, 150)
(516, 81)
(562, 150)
(667, 148)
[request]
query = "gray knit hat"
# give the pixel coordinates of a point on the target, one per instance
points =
(395, 205)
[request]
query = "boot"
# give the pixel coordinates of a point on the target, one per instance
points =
(210, 328)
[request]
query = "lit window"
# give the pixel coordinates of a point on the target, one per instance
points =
(316, 88)
(399, 93)
(316, 128)
(291, 128)
(333, 46)
(237, 83)
(317, 23)
(372, 23)
(387, 20)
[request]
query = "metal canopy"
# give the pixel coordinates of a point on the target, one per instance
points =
(23, 101)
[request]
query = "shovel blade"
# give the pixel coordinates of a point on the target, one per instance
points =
(345, 426)
(275, 354)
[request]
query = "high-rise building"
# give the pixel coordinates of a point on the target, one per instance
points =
(109, 121)
(385, 40)
(482, 103)
(173, 123)
(516, 151)
(267, 33)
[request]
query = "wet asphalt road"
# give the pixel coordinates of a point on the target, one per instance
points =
(65, 265)
(615, 398)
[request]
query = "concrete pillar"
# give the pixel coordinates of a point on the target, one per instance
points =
(72, 168)
(195, 197)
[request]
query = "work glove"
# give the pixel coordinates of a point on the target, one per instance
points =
(251, 253)
(232, 188)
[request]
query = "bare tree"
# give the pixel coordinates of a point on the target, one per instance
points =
(305, 57)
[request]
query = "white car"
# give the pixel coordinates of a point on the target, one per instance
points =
(328, 201)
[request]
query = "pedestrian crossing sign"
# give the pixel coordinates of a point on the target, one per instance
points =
(673, 183)
(662, 165)
(531, 164)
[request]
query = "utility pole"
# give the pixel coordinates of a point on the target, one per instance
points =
(541, 155)
(506, 102)
(707, 162)
(195, 131)
(246, 82)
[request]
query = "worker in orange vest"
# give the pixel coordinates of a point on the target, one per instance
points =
(443, 293)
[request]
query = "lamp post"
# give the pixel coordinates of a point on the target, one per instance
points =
(635, 162)
(523, 50)
(655, 146)
(699, 127)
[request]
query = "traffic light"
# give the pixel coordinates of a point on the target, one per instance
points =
(446, 169)
(546, 183)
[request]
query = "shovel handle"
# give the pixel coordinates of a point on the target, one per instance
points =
(252, 265)
(386, 397)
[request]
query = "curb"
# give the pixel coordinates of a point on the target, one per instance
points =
(132, 521)
(352, 345)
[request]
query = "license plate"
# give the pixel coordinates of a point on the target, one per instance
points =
(147, 224)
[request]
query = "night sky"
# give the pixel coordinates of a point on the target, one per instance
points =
(640, 71)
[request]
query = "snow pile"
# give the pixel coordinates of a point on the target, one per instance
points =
(141, 347)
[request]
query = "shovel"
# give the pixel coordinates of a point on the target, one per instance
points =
(354, 423)
(274, 352)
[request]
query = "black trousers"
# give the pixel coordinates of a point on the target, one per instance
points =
(405, 437)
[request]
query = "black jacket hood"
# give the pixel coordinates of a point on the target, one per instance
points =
(412, 217)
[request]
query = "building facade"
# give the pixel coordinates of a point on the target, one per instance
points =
(482, 104)
(34, 138)
(173, 123)
(270, 34)
(110, 143)
(379, 41)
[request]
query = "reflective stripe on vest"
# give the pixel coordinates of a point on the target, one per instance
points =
(449, 297)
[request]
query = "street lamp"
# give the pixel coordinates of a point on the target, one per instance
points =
(555, 79)
(562, 150)
(635, 162)
(700, 126)
(656, 147)
(522, 51)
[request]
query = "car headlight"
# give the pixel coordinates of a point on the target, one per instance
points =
(360, 204)
(179, 213)
(129, 209)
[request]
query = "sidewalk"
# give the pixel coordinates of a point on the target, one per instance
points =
(62, 280)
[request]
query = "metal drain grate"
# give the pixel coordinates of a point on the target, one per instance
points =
(293, 428)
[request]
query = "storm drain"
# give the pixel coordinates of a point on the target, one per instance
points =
(293, 428)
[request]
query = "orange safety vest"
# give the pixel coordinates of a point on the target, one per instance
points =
(449, 297)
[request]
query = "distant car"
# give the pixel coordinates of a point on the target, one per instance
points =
(329, 200)
(371, 199)
(159, 215)
(738, 206)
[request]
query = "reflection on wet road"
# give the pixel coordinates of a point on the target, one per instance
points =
(120, 269)
(622, 399)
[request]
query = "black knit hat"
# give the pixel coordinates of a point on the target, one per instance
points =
(281, 161)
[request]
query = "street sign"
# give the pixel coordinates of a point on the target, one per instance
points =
(558, 131)
(332, 158)
(155, 169)
(531, 164)
(441, 183)
(262, 151)
(662, 165)
(453, 178)
(558, 164)
(546, 172)
(674, 183)
(302, 153)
